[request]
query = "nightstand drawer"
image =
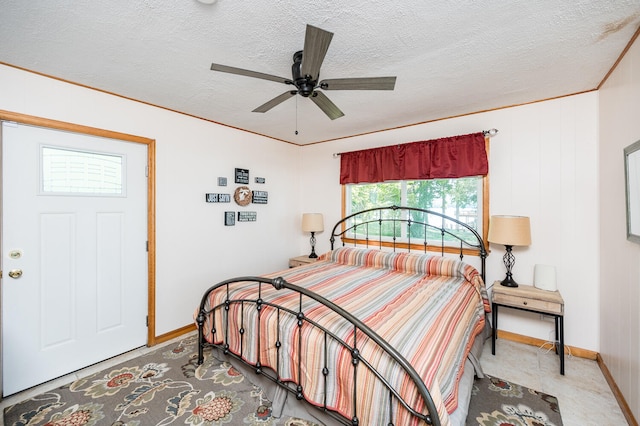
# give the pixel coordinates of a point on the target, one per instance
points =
(533, 304)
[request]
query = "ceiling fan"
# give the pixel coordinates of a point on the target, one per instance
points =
(306, 72)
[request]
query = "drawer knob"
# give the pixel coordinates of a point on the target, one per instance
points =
(525, 303)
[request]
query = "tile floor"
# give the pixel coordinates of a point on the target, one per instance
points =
(584, 396)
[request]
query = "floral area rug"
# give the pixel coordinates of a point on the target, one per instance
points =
(496, 402)
(161, 388)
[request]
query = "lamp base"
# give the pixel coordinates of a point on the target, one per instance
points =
(509, 282)
(313, 254)
(509, 260)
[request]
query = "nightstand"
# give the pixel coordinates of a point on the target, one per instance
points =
(301, 260)
(529, 298)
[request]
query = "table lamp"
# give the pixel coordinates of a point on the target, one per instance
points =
(510, 231)
(312, 222)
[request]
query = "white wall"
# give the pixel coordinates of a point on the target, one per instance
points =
(620, 259)
(543, 164)
(194, 248)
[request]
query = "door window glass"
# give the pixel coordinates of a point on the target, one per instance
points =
(67, 171)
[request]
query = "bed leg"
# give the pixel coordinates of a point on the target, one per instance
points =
(200, 321)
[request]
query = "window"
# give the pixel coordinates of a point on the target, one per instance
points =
(446, 175)
(69, 172)
(460, 198)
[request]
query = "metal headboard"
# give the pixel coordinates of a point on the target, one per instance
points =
(432, 230)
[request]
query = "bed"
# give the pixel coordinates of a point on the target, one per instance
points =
(370, 334)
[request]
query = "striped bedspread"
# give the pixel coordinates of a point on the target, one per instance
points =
(429, 308)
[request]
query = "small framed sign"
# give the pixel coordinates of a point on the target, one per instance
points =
(222, 181)
(260, 197)
(242, 176)
(218, 198)
(229, 218)
(247, 216)
(260, 180)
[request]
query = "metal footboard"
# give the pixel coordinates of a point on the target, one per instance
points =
(358, 362)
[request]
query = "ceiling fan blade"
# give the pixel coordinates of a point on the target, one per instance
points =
(326, 105)
(275, 101)
(316, 44)
(247, 73)
(366, 83)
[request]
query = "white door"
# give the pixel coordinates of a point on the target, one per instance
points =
(74, 256)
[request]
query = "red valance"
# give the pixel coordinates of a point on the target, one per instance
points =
(452, 157)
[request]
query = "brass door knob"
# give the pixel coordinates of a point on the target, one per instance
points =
(15, 273)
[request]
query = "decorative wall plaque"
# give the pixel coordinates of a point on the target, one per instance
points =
(218, 198)
(260, 180)
(229, 218)
(260, 197)
(242, 196)
(247, 216)
(242, 176)
(222, 181)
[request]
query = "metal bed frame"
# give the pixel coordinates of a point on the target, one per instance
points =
(362, 222)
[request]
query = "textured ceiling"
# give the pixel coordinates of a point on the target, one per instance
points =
(450, 57)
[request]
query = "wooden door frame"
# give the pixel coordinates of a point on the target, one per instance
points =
(151, 192)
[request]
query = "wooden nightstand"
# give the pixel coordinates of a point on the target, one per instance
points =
(301, 260)
(529, 298)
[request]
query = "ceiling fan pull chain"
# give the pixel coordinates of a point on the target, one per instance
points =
(296, 132)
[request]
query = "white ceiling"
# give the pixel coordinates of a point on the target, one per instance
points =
(450, 57)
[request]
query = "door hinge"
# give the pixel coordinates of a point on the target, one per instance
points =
(147, 320)
(146, 171)
(147, 246)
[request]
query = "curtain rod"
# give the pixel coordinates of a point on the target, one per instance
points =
(490, 133)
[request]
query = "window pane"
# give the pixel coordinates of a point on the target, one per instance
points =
(66, 171)
(458, 198)
(367, 196)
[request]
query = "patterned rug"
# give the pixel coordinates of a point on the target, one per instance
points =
(167, 386)
(161, 388)
(496, 402)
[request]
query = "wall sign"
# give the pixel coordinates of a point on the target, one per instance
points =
(222, 181)
(242, 196)
(229, 218)
(218, 198)
(247, 216)
(242, 176)
(260, 180)
(260, 197)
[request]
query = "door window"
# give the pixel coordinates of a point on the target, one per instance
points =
(71, 172)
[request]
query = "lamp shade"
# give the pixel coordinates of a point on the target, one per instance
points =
(312, 222)
(510, 230)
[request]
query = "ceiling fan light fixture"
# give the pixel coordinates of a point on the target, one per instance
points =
(305, 89)
(207, 1)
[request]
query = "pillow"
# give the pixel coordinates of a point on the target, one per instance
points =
(411, 263)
